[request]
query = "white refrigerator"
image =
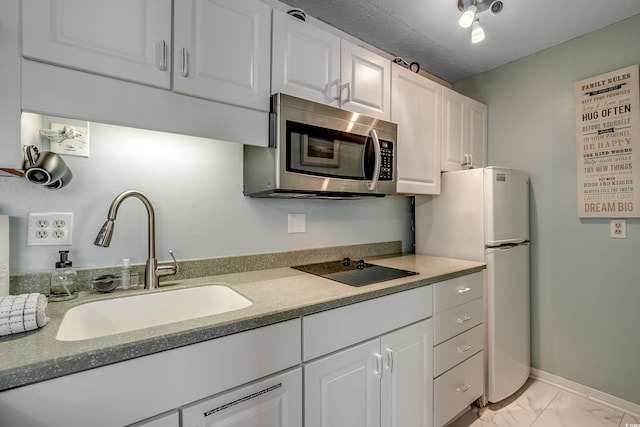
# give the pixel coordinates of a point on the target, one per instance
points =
(483, 215)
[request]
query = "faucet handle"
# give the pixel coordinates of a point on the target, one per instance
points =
(168, 270)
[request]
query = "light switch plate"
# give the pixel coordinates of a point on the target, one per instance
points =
(297, 223)
(618, 229)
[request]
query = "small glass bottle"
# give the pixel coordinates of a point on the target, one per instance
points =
(125, 274)
(64, 280)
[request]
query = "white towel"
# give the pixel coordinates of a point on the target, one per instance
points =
(22, 313)
(4, 255)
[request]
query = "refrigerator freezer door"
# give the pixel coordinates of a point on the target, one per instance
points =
(506, 206)
(508, 333)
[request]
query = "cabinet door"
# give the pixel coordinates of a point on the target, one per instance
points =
(344, 389)
(222, 51)
(407, 379)
(454, 130)
(416, 107)
(125, 39)
(10, 86)
(477, 133)
(171, 419)
(305, 60)
(274, 402)
(366, 82)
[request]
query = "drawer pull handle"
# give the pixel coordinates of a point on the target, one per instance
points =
(465, 319)
(463, 388)
(464, 291)
(464, 348)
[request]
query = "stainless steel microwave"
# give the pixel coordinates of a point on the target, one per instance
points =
(318, 151)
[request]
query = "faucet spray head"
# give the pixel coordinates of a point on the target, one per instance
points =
(103, 238)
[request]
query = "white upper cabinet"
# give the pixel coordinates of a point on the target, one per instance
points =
(464, 132)
(10, 86)
(366, 82)
(125, 39)
(222, 51)
(416, 108)
(311, 63)
(305, 60)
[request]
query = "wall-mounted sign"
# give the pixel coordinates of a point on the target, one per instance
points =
(607, 145)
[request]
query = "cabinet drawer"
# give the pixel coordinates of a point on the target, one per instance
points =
(342, 327)
(457, 320)
(456, 291)
(457, 349)
(274, 401)
(457, 388)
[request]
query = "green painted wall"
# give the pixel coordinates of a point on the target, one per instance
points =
(585, 286)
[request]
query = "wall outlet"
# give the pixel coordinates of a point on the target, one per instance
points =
(618, 229)
(297, 223)
(50, 228)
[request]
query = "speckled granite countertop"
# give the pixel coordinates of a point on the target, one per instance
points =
(277, 294)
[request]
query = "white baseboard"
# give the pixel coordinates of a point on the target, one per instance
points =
(588, 392)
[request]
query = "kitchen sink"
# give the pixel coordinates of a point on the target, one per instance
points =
(113, 316)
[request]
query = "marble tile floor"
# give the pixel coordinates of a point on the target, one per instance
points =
(538, 404)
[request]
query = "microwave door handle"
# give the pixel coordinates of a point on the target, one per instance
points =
(376, 150)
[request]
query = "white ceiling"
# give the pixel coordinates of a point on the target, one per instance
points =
(427, 31)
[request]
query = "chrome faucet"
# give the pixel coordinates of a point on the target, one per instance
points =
(152, 271)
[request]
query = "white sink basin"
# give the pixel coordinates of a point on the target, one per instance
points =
(113, 316)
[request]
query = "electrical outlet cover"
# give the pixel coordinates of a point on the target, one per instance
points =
(50, 228)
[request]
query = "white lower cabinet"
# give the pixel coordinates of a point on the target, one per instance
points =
(458, 388)
(273, 402)
(170, 419)
(458, 346)
(141, 388)
(385, 381)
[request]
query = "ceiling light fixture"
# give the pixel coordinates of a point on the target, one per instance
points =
(471, 9)
(467, 18)
(477, 33)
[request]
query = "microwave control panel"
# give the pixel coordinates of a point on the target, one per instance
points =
(386, 161)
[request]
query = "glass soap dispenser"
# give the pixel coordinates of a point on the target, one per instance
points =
(64, 280)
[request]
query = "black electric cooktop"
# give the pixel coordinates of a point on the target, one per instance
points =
(354, 273)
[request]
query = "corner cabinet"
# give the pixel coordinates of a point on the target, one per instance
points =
(464, 132)
(385, 380)
(314, 64)
(416, 108)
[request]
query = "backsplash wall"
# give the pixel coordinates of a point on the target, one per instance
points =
(195, 186)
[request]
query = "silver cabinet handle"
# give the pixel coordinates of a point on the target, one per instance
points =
(464, 348)
(378, 153)
(464, 319)
(378, 371)
(463, 388)
(346, 86)
(327, 93)
(185, 62)
(464, 291)
(389, 365)
(161, 55)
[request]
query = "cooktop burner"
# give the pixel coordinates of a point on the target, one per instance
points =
(354, 273)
